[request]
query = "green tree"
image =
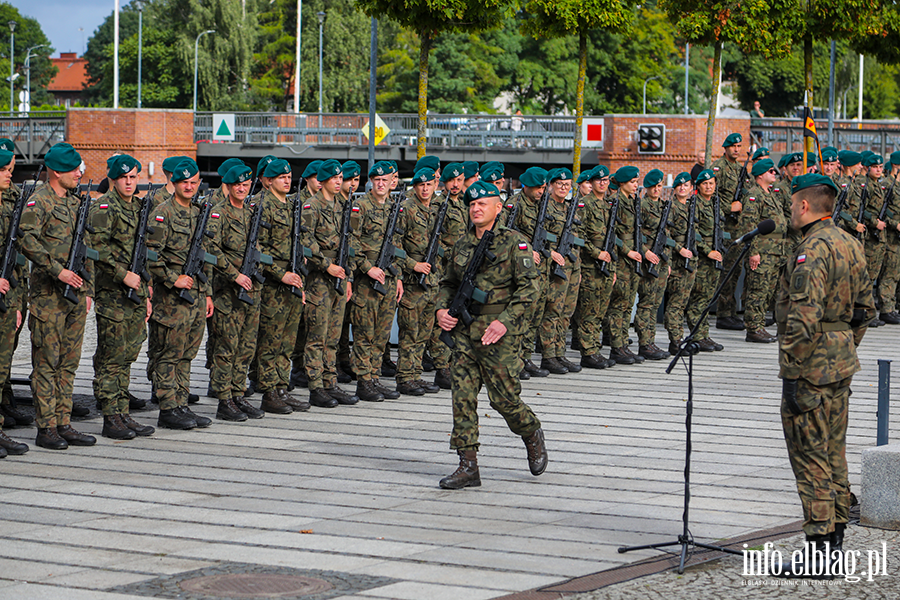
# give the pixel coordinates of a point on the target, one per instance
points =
(27, 35)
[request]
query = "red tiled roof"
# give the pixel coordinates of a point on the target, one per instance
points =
(72, 73)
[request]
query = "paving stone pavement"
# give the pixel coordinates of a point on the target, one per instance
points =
(354, 489)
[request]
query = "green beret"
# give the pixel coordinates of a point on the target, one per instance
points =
(492, 171)
(895, 158)
(470, 168)
(8, 144)
(626, 174)
(706, 175)
(599, 172)
(185, 170)
(829, 155)
(653, 177)
(480, 189)
(613, 185)
(811, 158)
(866, 154)
(556, 174)
(263, 163)
(801, 182)
(170, 163)
(874, 159)
(423, 175)
(792, 158)
(350, 169)
(226, 166)
(732, 139)
(312, 169)
(829, 149)
(761, 152)
(328, 169)
(761, 166)
(683, 177)
(62, 158)
(120, 165)
(380, 169)
(278, 167)
(237, 174)
(451, 171)
(534, 177)
(427, 162)
(583, 176)
(393, 166)
(849, 158)
(5, 157)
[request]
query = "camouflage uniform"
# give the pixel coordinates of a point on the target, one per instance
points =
(781, 191)
(824, 284)
(121, 324)
(847, 218)
(562, 294)
(280, 309)
(625, 289)
(761, 282)
(178, 324)
(706, 276)
(455, 224)
(235, 323)
(13, 300)
(727, 174)
(681, 281)
(57, 325)
(510, 284)
(596, 288)
(526, 221)
(890, 268)
(874, 239)
(650, 289)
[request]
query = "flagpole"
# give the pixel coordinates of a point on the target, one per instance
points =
(806, 119)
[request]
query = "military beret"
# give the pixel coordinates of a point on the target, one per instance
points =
(278, 167)
(237, 174)
(874, 159)
(895, 158)
(451, 171)
(5, 157)
(801, 182)
(350, 169)
(328, 169)
(829, 148)
(583, 176)
(653, 177)
(480, 189)
(423, 175)
(171, 162)
(626, 174)
(556, 174)
(761, 152)
(683, 177)
(866, 154)
(470, 168)
(7, 144)
(429, 161)
(613, 185)
(120, 165)
(534, 177)
(312, 169)
(599, 172)
(492, 171)
(706, 175)
(811, 158)
(393, 165)
(185, 170)
(380, 169)
(761, 166)
(62, 158)
(732, 139)
(226, 166)
(849, 158)
(829, 155)
(792, 158)
(263, 162)
(782, 160)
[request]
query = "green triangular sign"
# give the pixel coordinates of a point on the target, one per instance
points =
(223, 130)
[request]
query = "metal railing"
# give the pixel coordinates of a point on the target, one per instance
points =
(782, 136)
(33, 135)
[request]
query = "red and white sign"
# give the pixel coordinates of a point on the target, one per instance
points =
(592, 132)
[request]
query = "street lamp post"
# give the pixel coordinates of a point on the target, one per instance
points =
(297, 57)
(321, 16)
(196, 56)
(12, 37)
(140, 46)
(28, 56)
(645, 91)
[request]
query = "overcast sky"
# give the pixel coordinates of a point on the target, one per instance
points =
(62, 19)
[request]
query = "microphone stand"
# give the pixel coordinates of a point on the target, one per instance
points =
(689, 346)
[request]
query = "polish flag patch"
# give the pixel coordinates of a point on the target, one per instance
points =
(305, 206)
(160, 218)
(214, 215)
(355, 209)
(752, 199)
(104, 206)
(523, 246)
(32, 203)
(581, 205)
(801, 259)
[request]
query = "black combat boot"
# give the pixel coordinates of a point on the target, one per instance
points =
(11, 446)
(570, 366)
(227, 411)
(388, 367)
(202, 422)
(595, 361)
(760, 336)
(537, 452)
(466, 474)
(427, 362)
(410, 388)
(428, 388)
(815, 561)
(137, 428)
(731, 323)
(367, 392)
(49, 438)
(319, 397)
(534, 370)
(248, 409)
(524, 375)
(13, 416)
(173, 418)
(442, 379)
(553, 365)
(273, 403)
(388, 393)
(115, 429)
(891, 318)
(621, 357)
(193, 398)
(79, 411)
(342, 376)
(346, 368)
(295, 403)
(73, 437)
(652, 352)
(135, 403)
(341, 396)
(298, 377)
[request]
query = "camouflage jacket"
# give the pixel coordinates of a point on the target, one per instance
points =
(556, 221)
(847, 218)
(594, 225)
(115, 228)
(727, 174)
(892, 218)
(704, 227)
(455, 223)
(20, 272)
(322, 220)
(161, 197)
(759, 205)
(651, 214)
(230, 226)
(678, 224)
(625, 225)
(874, 200)
(822, 285)
(417, 222)
(276, 240)
(368, 235)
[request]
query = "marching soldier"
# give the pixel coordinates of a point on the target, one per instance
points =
(851, 164)
(684, 263)
(650, 289)
(727, 171)
(350, 171)
(830, 165)
(875, 237)
(793, 167)
(471, 172)
(706, 276)
(890, 269)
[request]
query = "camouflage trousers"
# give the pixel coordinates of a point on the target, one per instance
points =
(6, 354)
(7, 346)
(559, 306)
(621, 302)
(727, 303)
(439, 351)
(816, 443)
(761, 284)
(177, 343)
(678, 292)
(235, 325)
(57, 331)
(874, 259)
(650, 295)
(279, 317)
(593, 302)
(415, 320)
(152, 350)
(121, 330)
(343, 349)
(534, 315)
(706, 278)
(496, 367)
(324, 317)
(887, 280)
(372, 315)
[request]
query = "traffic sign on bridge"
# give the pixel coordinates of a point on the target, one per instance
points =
(381, 130)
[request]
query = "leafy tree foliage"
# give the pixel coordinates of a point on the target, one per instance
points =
(27, 35)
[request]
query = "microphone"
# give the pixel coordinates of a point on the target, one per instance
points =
(764, 228)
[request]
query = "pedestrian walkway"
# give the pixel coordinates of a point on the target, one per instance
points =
(347, 498)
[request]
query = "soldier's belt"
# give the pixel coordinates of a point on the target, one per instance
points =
(281, 264)
(329, 253)
(415, 257)
(487, 309)
(824, 326)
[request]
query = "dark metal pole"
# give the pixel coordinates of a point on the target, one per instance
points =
(884, 401)
(831, 99)
(373, 64)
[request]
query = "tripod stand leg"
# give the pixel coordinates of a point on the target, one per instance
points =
(625, 549)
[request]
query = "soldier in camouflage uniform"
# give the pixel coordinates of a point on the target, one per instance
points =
(179, 324)
(728, 171)
(875, 237)
(706, 276)
(683, 263)
(121, 322)
(792, 167)
(350, 171)
(831, 168)
(487, 352)
(471, 173)
(325, 305)
(650, 289)
(767, 252)
(57, 325)
(851, 163)
(823, 306)
(890, 269)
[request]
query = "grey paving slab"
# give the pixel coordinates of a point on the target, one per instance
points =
(469, 575)
(95, 578)
(410, 590)
(29, 591)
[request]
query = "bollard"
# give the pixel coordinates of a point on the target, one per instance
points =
(884, 398)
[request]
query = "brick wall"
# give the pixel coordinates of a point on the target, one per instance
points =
(150, 135)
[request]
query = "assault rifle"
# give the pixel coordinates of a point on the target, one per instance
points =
(541, 235)
(11, 256)
(193, 266)
(434, 242)
(343, 252)
(297, 250)
(252, 256)
(388, 250)
(638, 234)
(609, 242)
(661, 240)
(740, 184)
(467, 292)
(79, 251)
(839, 205)
(718, 233)
(513, 215)
(690, 239)
(567, 239)
(863, 198)
(884, 212)
(140, 254)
